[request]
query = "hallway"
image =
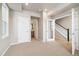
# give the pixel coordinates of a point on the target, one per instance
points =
(20, 23)
(37, 48)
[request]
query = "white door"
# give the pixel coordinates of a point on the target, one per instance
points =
(51, 30)
(24, 29)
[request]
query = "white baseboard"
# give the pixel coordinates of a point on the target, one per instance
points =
(18, 43)
(50, 40)
(11, 45)
(15, 43)
(5, 50)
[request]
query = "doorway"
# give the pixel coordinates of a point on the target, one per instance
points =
(51, 30)
(34, 28)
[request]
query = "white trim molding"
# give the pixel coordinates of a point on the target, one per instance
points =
(5, 50)
(18, 43)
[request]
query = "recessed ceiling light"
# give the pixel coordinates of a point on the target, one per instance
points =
(26, 4)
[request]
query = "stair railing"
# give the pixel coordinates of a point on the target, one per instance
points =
(66, 30)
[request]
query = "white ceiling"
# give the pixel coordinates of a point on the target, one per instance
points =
(15, 6)
(37, 7)
(52, 8)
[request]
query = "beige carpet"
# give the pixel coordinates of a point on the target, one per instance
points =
(37, 48)
(63, 42)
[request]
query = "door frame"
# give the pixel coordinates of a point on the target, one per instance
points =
(37, 18)
(53, 20)
(74, 30)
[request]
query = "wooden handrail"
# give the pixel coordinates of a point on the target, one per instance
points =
(61, 26)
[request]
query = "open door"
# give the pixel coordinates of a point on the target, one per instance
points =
(51, 30)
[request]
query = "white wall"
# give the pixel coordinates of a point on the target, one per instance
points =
(14, 22)
(66, 22)
(4, 43)
(40, 25)
(13, 27)
(43, 26)
(43, 30)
